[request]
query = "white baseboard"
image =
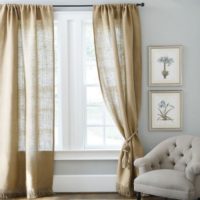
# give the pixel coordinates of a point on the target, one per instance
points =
(84, 183)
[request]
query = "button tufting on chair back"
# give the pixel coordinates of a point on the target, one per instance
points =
(173, 153)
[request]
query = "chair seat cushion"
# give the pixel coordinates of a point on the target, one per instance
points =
(165, 183)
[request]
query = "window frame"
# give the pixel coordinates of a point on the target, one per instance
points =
(72, 146)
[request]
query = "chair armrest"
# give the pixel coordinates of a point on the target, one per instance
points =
(143, 165)
(140, 162)
(192, 170)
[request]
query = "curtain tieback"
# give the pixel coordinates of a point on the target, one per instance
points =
(126, 149)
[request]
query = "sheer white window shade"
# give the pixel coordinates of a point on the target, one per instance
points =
(82, 121)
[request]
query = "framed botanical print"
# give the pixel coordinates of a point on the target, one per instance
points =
(165, 65)
(165, 110)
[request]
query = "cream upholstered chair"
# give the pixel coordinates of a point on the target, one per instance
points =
(171, 169)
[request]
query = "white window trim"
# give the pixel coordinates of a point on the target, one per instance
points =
(87, 155)
(85, 183)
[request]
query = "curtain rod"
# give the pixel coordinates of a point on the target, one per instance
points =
(60, 6)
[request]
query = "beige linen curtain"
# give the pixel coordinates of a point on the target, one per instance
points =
(118, 54)
(26, 100)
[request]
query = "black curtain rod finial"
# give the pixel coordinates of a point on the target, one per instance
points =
(140, 4)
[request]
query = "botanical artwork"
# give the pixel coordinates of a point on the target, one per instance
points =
(165, 68)
(165, 110)
(166, 61)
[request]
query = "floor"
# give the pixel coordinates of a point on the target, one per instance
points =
(94, 196)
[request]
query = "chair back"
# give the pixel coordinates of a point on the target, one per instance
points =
(175, 152)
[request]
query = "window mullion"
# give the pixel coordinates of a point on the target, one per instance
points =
(64, 93)
(77, 88)
(104, 125)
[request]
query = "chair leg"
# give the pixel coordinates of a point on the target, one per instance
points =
(138, 195)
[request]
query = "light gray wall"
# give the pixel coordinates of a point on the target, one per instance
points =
(163, 23)
(85, 167)
(173, 22)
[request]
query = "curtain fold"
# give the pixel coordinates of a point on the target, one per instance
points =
(26, 100)
(117, 40)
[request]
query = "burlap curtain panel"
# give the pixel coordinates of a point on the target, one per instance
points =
(26, 100)
(118, 54)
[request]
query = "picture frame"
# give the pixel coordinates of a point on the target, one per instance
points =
(165, 110)
(165, 65)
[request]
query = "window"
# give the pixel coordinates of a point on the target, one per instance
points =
(82, 121)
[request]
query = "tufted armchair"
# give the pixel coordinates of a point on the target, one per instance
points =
(171, 169)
